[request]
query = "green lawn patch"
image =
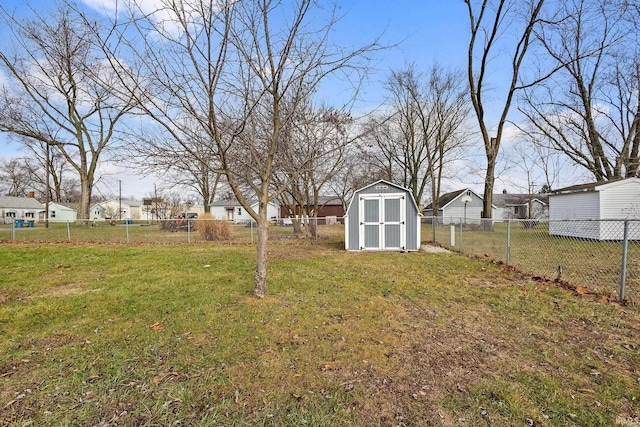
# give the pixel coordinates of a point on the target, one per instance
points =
(100, 334)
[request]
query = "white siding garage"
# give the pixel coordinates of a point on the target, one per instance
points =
(594, 211)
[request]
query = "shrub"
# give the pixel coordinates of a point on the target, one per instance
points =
(214, 229)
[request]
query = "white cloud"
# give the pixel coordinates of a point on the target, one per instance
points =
(162, 12)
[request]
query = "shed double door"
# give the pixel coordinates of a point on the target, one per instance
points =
(382, 221)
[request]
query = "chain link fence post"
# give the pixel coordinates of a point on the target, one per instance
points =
(434, 224)
(508, 254)
(625, 248)
(68, 232)
(460, 235)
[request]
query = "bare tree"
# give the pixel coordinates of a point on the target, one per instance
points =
(14, 179)
(489, 21)
(424, 129)
(159, 154)
(596, 121)
(541, 167)
(53, 96)
(236, 73)
(359, 168)
(62, 185)
(314, 151)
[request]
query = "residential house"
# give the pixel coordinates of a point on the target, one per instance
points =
(97, 212)
(595, 210)
(19, 208)
(520, 206)
(330, 210)
(232, 210)
(458, 206)
(129, 209)
(60, 212)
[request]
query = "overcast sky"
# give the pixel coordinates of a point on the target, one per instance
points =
(423, 30)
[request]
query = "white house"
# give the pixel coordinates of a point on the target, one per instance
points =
(459, 206)
(129, 209)
(232, 210)
(21, 208)
(97, 213)
(59, 212)
(588, 210)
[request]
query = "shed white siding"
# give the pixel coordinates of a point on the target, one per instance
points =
(596, 213)
(620, 201)
(584, 205)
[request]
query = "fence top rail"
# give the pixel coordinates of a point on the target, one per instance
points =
(541, 220)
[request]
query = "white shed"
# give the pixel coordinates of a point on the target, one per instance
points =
(382, 216)
(595, 210)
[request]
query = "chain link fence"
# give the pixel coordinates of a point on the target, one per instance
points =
(170, 231)
(600, 256)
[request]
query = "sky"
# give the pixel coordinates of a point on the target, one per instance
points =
(419, 31)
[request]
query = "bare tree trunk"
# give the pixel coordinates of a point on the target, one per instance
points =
(487, 25)
(85, 199)
(297, 226)
(260, 278)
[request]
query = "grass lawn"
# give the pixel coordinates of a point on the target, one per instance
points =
(595, 265)
(110, 334)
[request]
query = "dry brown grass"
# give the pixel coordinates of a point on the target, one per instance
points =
(212, 230)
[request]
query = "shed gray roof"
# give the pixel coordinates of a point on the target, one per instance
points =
(10, 202)
(385, 182)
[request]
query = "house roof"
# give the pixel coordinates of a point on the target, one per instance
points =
(329, 201)
(72, 206)
(10, 202)
(226, 202)
(124, 202)
(234, 202)
(594, 186)
(502, 200)
(447, 198)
